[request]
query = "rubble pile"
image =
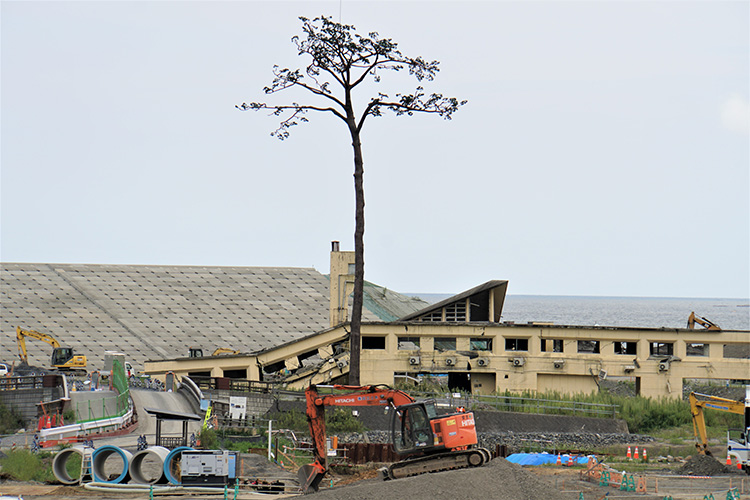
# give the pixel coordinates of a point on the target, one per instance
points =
(702, 465)
(498, 479)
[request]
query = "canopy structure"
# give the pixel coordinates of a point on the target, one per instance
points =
(169, 441)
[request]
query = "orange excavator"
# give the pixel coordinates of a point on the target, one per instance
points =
(428, 442)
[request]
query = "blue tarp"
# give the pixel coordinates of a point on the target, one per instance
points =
(545, 458)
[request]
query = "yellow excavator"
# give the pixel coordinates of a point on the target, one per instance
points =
(738, 440)
(197, 352)
(63, 358)
(705, 323)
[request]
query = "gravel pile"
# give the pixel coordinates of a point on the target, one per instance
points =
(702, 465)
(518, 441)
(498, 479)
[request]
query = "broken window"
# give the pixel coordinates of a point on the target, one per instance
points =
(373, 342)
(443, 344)
(692, 349)
(434, 316)
(516, 344)
(456, 312)
(552, 345)
(408, 343)
(737, 351)
(480, 344)
(630, 348)
(662, 349)
(588, 346)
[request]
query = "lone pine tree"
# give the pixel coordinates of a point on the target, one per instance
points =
(340, 61)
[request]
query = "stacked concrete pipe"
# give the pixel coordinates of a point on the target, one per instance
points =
(60, 463)
(137, 469)
(100, 456)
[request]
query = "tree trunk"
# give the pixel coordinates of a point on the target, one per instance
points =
(359, 259)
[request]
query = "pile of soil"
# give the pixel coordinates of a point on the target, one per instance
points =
(702, 465)
(498, 479)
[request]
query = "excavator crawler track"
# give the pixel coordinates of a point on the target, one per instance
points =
(474, 457)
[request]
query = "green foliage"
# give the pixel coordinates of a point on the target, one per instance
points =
(209, 440)
(22, 465)
(69, 417)
(10, 420)
(337, 420)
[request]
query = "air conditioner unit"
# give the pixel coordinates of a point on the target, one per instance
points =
(450, 361)
(664, 366)
(518, 361)
(602, 374)
(342, 363)
(559, 363)
(482, 362)
(414, 360)
(629, 368)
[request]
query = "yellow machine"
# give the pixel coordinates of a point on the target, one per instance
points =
(63, 358)
(708, 325)
(197, 352)
(737, 439)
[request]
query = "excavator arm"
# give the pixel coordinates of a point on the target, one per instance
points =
(705, 323)
(700, 401)
(369, 395)
(21, 335)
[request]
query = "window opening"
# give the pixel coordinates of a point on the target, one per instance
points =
(516, 344)
(443, 344)
(480, 344)
(408, 343)
(588, 346)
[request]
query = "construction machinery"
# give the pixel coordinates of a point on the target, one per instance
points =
(428, 442)
(197, 352)
(738, 440)
(705, 323)
(63, 358)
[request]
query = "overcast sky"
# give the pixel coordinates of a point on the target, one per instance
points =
(604, 149)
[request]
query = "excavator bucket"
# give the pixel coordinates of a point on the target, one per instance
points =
(309, 478)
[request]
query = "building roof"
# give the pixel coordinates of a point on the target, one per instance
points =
(152, 312)
(500, 285)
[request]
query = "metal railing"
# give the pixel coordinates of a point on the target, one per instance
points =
(523, 404)
(233, 384)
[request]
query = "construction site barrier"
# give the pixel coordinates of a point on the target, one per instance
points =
(171, 463)
(137, 469)
(60, 463)
(99, 458)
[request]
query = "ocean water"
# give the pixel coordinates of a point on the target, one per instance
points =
(649, 312)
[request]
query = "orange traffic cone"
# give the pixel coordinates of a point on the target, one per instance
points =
(559, 459)
(645, 456)
(729, 459)
(739, 464)
(629, 456)
(635, 455)
(570, 460)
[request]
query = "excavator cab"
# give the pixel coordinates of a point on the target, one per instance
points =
(411, 428)
(61, 355)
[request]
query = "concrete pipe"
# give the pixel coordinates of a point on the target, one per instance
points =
(171, 464)
(98, 462)
(147, 466)
(60, 463)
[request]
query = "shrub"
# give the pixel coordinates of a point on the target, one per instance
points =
(10, 420)
(22, 465)
(209, 440)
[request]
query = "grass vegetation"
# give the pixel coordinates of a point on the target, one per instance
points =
(10, 420)
(22, 465)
